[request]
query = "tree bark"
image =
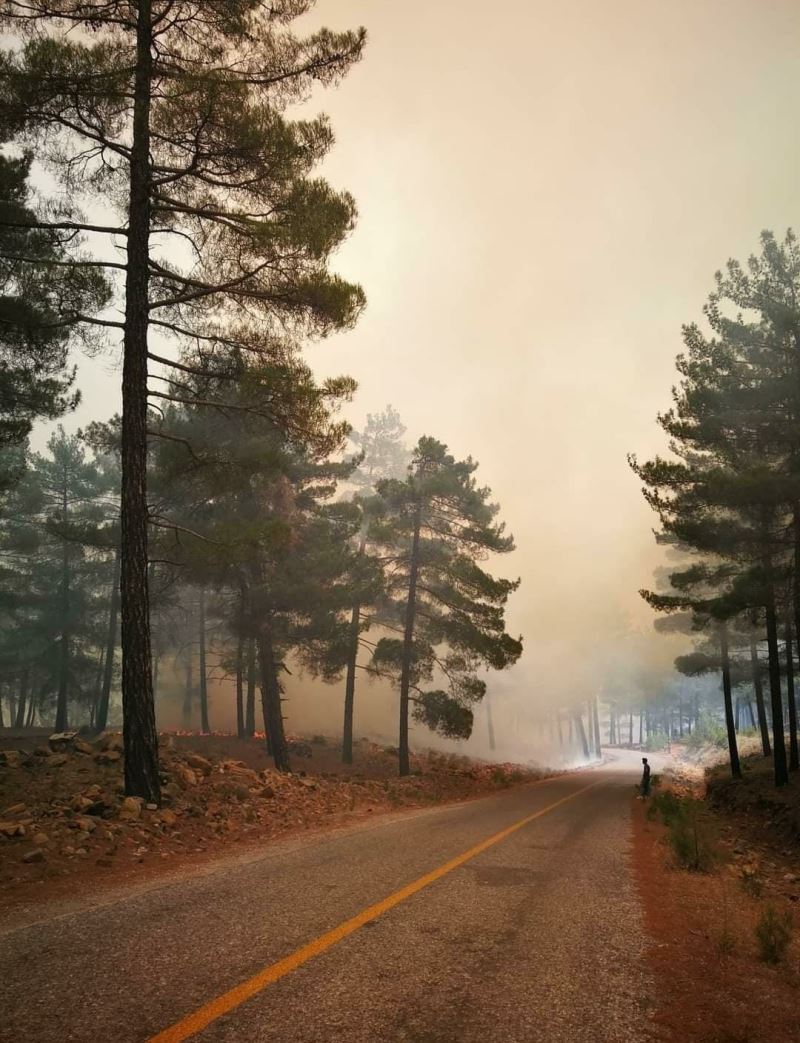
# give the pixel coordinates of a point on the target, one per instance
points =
(240, 685)
(578, 718)
(408, 644)
(776, 697)
(733, 748)
(101, 721)
(204, 725)
(755, 668)
(250, 706)
(490, 722)
(596, 719)
(188, 691)
(271, 699)
(138, 708)
(62, 701)
(350, 685)
(794, 761)
(24, 684)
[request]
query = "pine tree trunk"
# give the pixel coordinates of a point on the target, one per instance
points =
(138, 709)
(560, 732)
(350, 685)
(490, 723)
(737, 715)
(188, 692)
(204, 725)
(24, 684)
(62, 701)
(271, 700)
(408, 644)
(776, 697)
(733, 749)
(794, 762)
(578, 717)
(240, 685)
(101, 721)
(250, 706)
(596, 719)
(641, 726)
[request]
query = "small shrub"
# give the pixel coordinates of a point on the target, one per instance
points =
(499, 777)
(688, 836)
(666, 805)
(319, 740)
(726, 943)
(751, 881)
(773, 933)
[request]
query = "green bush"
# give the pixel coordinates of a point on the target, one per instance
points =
(773, 933)
(707, 732)
(687, 834)
(656, 742)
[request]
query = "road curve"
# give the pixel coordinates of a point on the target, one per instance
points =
(536, 937)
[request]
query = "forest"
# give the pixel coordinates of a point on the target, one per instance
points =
(160, 202)
(727, 500)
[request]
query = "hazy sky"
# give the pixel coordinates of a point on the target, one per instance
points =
(546, 191)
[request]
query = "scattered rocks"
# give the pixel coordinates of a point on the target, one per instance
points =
(16, 809)
(40, 839)
(61, 740)
(198, 763)
(12, 829)
(34, 855)
(82, 747)
(185, 776)
(108, 756)
(11, 758)
(58, 760)
(131, 809)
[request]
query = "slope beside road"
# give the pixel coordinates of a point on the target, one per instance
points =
(534, 936)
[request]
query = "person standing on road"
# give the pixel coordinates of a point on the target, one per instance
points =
(645, 778)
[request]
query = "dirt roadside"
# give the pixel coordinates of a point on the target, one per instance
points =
(65, 823)
(715, 985)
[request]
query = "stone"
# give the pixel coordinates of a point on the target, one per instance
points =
(152, 807)
(12, 829)
(80, 746)
(83, 822)
(11, 758)
(16, 809)
(131, 809)
(108, 756)
(35, 855)
(42, 751)
(40, 839)
(307, 783)
(58, 760)
(167, 817)
(62, 740)
(110, 741)
(267, 791)
(198, 763)
(186, 777)
(80, 803)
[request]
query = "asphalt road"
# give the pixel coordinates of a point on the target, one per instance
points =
(536, 939)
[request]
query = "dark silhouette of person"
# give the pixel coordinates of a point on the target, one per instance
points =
(645, 778)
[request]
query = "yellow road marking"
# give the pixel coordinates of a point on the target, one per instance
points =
(228, 1001)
